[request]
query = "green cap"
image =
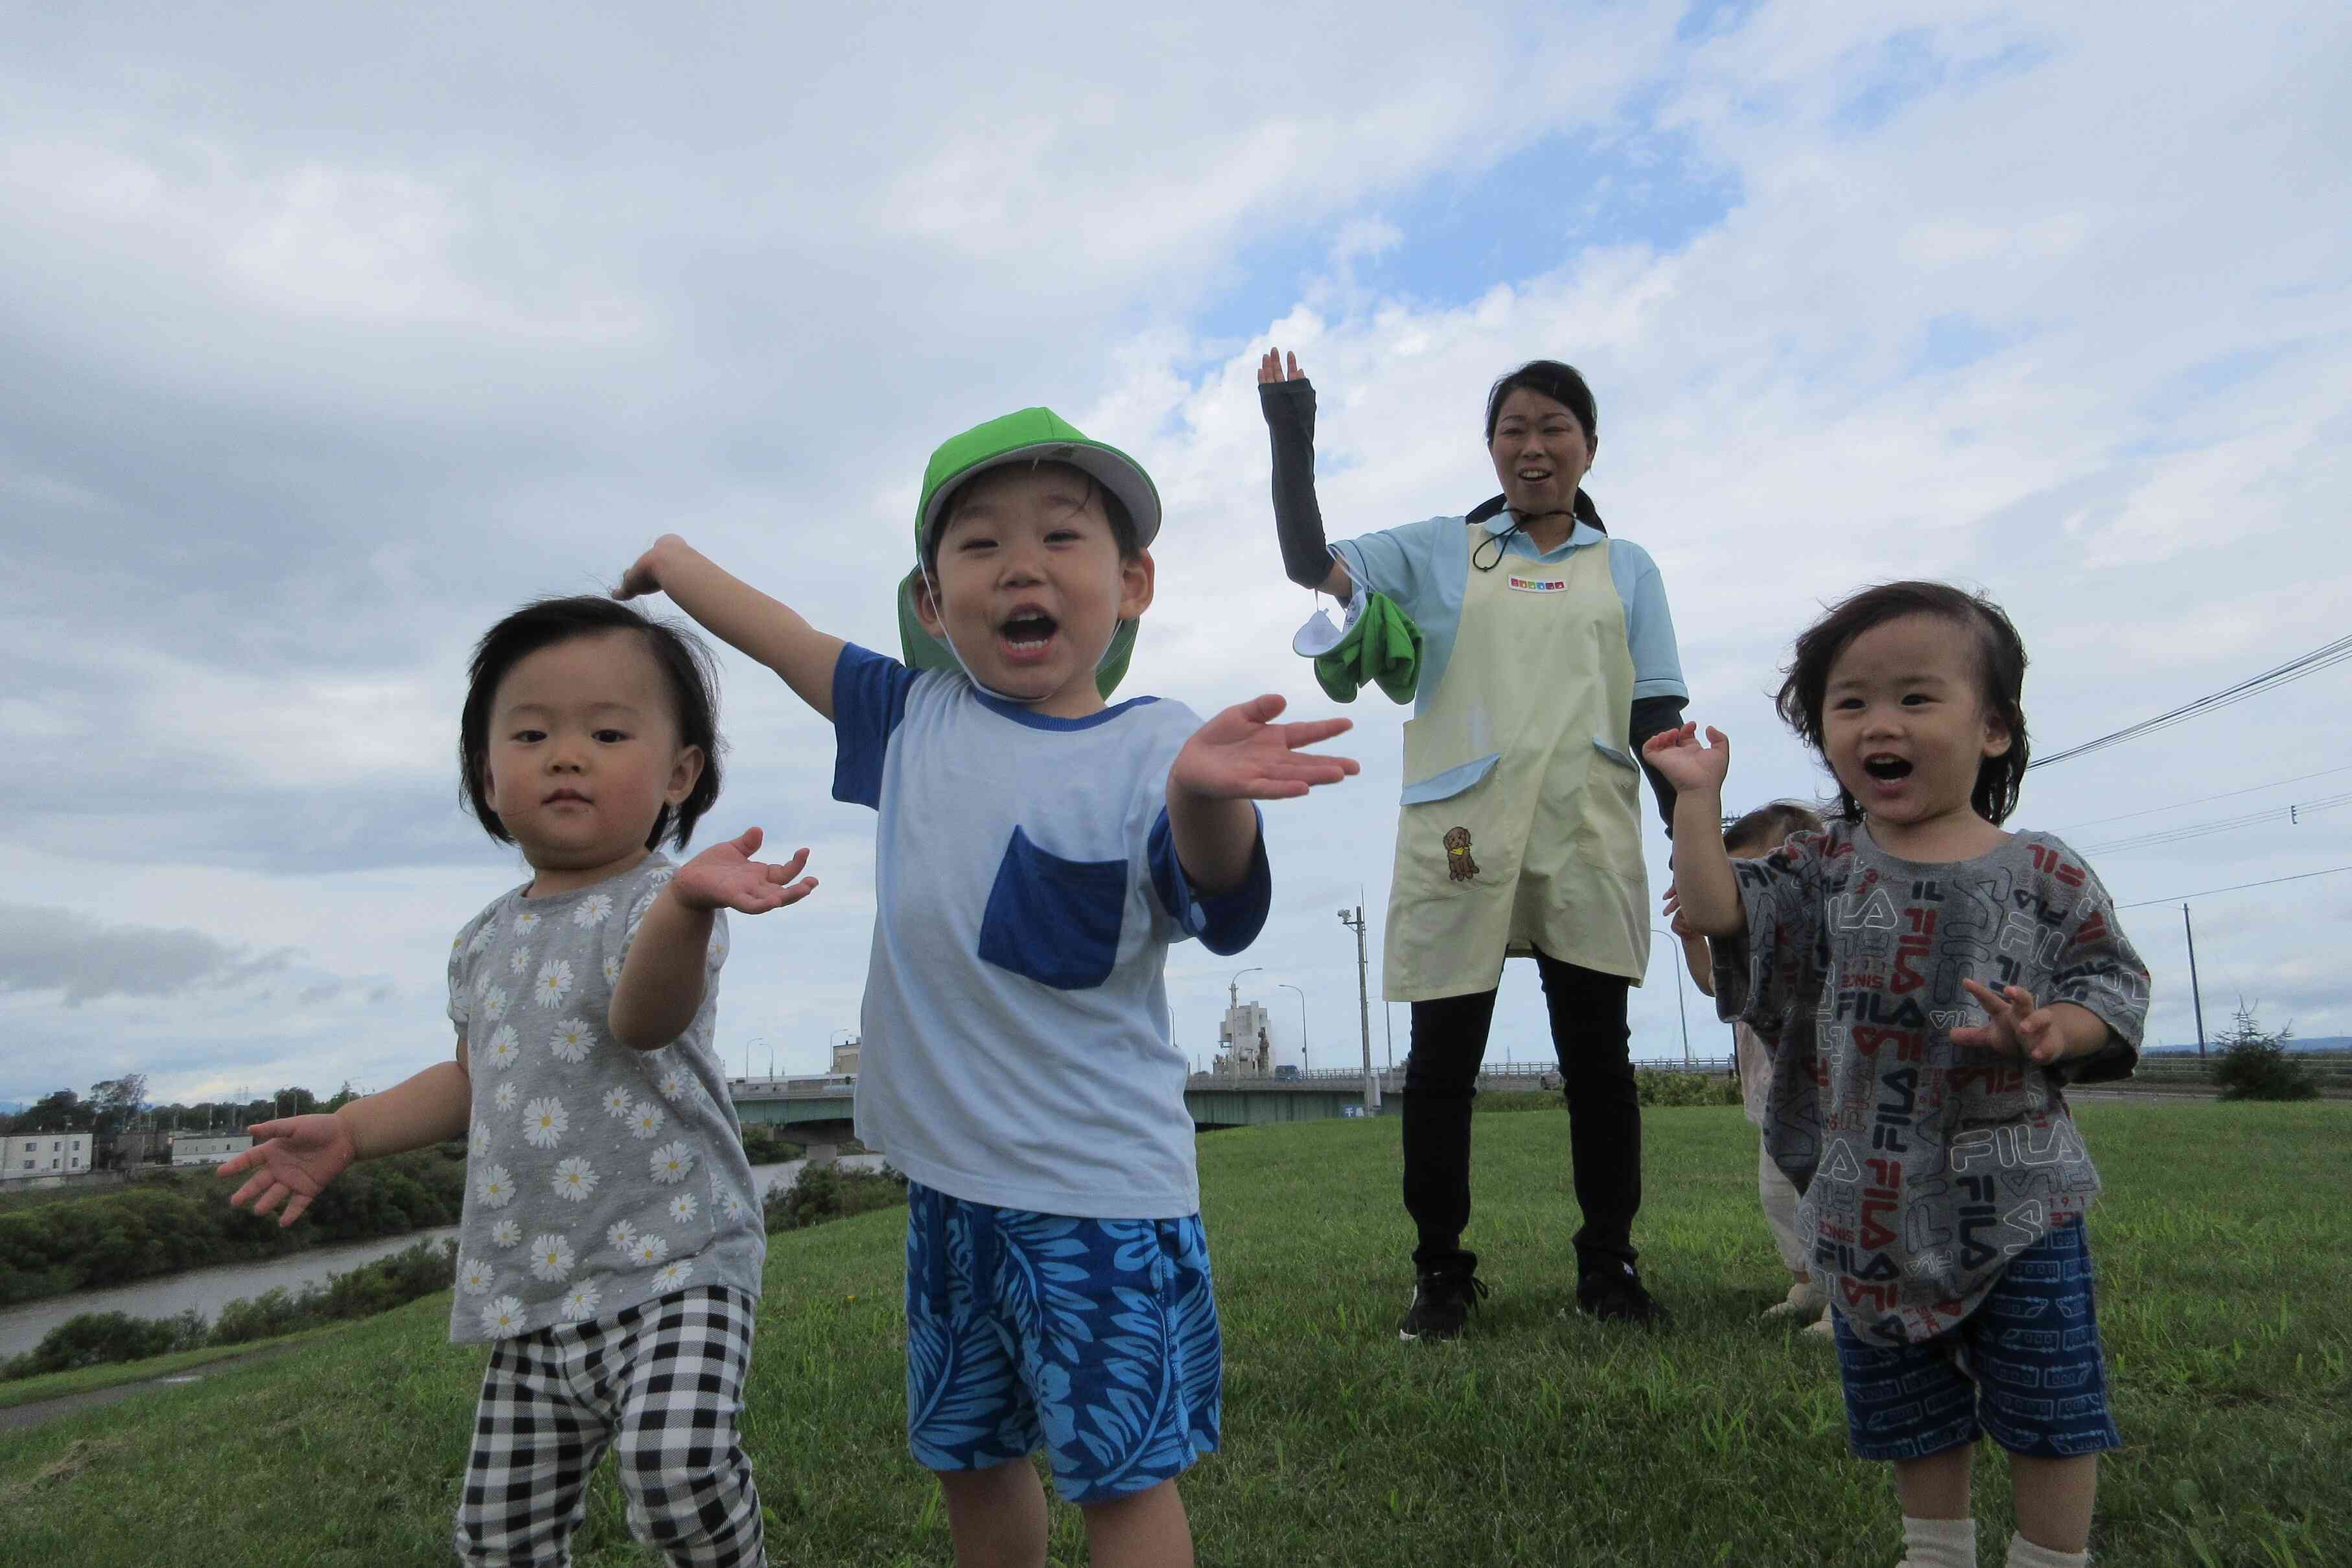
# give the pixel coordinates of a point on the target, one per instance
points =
(1031, 435)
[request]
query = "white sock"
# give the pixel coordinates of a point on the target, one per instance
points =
(1938, 1542)
(2023, 1554)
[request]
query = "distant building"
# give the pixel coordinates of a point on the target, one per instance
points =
(1244, 1046)
(45, 1153)
(208, 1148)
(138, 1146)
(845, 1060)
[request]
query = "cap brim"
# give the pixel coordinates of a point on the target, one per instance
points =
(1114, 470)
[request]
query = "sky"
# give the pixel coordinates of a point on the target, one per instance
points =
(333, 334)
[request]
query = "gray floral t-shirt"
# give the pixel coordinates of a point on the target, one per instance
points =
(598, 1177)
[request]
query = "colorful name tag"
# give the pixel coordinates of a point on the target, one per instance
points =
(1540, 584)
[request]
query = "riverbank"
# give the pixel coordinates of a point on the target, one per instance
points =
(1537, 1439)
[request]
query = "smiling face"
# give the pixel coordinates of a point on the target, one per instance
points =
(1031, 585)
(583, 753)
(1906, 728)
(1541, 450)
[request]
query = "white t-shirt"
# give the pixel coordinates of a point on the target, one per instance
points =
(1017, 1046)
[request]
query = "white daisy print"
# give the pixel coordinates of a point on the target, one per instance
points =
(494, 1003)
(526, 922)
(482, 979)
(504, 1047)
(672, 1161)
(502, 1318)
(507, 1233)
(647, 1120)
(519, 960)
(481, 1142)
(648, 1248)
(620, 1233)
(570, 1041)
(484, 935)
(551, 1257)
(682, 1207)
(670, 1276)
(494, 1188)
(730, 1206)
(673, 1083)
(544, 1123)
(579, 1301)
(575, 1178)
(474, 1277)
(617, 1101)
(554, 983)
(612, 968)
(504, 1095)
(594, 910)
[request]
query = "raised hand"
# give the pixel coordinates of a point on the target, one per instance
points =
(1269, 369)
(301, 1156)
(1243, 755)
(1687, 764)
(725, 876)
(2015, 1026)
(644, 575)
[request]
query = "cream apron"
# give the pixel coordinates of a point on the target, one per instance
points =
(1536, 843)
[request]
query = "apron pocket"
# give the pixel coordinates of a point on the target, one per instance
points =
(1452, 782)
(1052, 920)
(1615, 754)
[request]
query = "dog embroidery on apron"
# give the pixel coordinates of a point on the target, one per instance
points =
(1458, 863)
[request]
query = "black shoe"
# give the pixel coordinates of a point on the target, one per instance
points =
(1614, 1294)
(1442, 1299)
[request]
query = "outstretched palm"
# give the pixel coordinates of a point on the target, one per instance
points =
(1243, 755)
(299, 1157)
(725, 876)
(1686, 764)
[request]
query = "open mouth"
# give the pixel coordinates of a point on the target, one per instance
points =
(1028, 632)
(1886, 769)
(1533, 475)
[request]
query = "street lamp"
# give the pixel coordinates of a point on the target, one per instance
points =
(1675, 944)
(1232, 1006)
(1294, 990)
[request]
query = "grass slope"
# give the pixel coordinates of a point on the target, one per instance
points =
(1540, 1439)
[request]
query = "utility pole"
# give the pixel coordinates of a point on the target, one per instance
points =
(1364, 1008)
(2194, 996)
(1304, 1064)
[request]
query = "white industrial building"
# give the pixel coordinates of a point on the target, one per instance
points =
(208, 1148)
(1245, 1045)
(43, 1154)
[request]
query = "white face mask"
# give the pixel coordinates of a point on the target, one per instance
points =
(1318, 636)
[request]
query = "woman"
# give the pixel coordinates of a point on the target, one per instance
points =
(1547, 659)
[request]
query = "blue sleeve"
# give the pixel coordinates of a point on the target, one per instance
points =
(1649, 625)
(869, 698)
(1402, 564)
(1224, 922)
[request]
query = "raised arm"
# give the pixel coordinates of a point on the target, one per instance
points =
(1707, 891)
(297, 1156)
(1286, 397)
(1239, 756)
(666, 972)
(740, 614)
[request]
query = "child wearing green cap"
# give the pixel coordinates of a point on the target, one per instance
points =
(1037, 850)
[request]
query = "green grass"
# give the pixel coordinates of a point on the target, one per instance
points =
(88, 1379)
(1538, 1440)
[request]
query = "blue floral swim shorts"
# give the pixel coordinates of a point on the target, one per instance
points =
(1096, 1337)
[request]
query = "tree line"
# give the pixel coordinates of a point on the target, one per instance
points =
(116, 1105)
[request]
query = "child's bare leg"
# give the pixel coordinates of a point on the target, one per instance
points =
(1143, 1530)
(2054, 1500)
(1937, 1486)
(996, 1517)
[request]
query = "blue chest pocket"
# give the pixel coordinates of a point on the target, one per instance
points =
(1052, 920)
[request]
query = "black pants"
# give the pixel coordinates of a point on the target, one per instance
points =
(1605, 1114)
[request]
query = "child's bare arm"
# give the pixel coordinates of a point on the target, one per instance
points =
(1708, 892)
(662, 980)
(298, 1156)
(1236, 757)
(745, 618)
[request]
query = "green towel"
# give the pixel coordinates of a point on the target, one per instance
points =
(1383, 647)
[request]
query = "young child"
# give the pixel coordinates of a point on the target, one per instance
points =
(1945, 1180)
(1757, 833)
(611, 1245)
(1036, 853)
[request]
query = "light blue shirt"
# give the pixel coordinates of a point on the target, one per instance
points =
(1424, 567)
(1026, 889)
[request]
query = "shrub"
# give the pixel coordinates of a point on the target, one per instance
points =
(828, 1192)
(1688, 1089)
(2254, 1065)
(766, 1146)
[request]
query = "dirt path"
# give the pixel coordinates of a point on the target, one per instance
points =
(40, 1412)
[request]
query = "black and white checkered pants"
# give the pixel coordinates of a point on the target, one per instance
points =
(663, 1383)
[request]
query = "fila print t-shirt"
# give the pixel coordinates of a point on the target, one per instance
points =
(598, 1178)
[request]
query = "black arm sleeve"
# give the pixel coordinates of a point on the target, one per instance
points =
(1656, 716)
(1289, 409)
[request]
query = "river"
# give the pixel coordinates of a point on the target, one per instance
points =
(209, 1289)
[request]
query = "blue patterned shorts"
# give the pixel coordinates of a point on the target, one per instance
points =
(1096, 1337)
(2025, 1368)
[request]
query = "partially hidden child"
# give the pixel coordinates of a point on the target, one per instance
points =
(1037, 850)
(610, 1246)
(1956, 976)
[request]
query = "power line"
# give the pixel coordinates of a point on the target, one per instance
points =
(2310, 663)
(2201, 799)
(2292, 813)
(2237, 887)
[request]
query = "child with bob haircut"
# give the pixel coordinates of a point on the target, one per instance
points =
(1038, 851)
(610, 1246)
(1945, 1182)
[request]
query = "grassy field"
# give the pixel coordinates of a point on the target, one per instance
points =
(2221, 1247)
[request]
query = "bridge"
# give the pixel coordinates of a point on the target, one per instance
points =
(1214, 1099)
